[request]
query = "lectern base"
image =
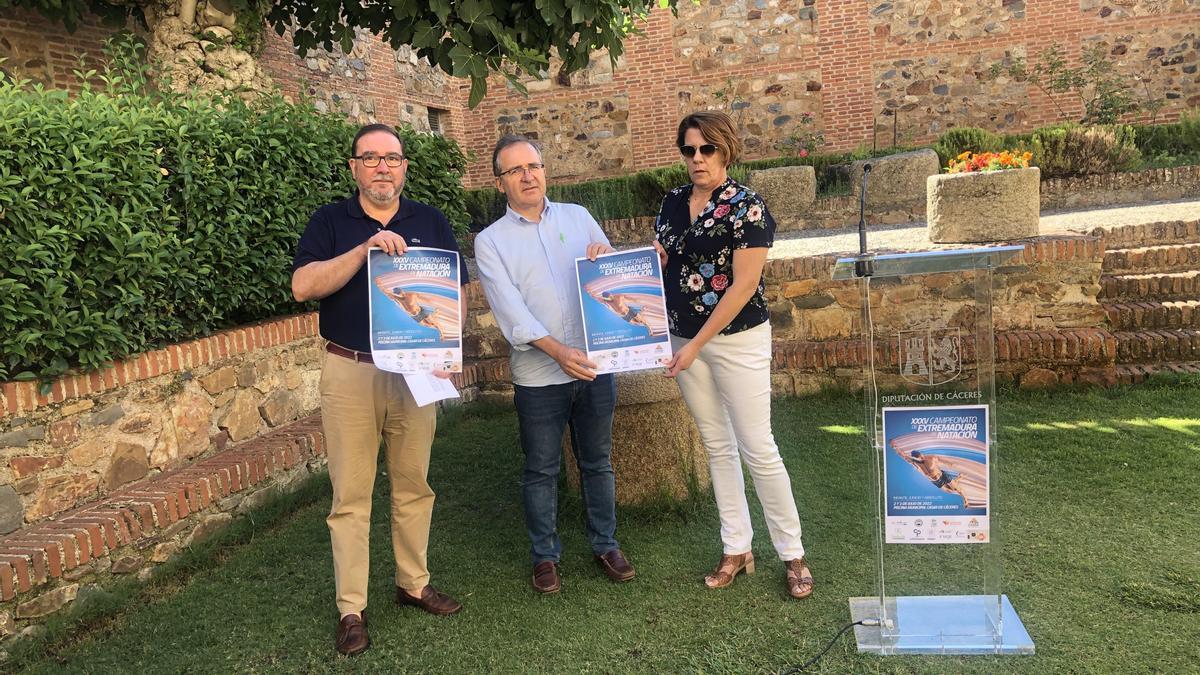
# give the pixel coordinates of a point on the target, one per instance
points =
(940, 624)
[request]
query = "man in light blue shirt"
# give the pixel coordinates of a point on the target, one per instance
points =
(527, 267)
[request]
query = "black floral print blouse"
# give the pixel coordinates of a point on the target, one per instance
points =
(700, 254)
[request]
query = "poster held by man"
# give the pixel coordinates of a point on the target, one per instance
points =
(624, 311)
(416, 324)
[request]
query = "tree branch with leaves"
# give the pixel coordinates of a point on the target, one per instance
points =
(466, 38)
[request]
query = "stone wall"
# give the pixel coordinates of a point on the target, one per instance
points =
(846, 64)
(370, 83)
(1165, 61)
(849, 65)
(1128, 9)
(915, 22)
(1151, 185)
(720, 34)
(91, 434)
(932, 93)
(767, 109)
(578, 136)
(46, 567)
(1047, 317)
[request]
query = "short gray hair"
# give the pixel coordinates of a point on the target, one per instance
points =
(507, 140)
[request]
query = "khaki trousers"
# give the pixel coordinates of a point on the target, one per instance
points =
(360, 405)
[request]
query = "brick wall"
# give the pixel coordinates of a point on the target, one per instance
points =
(847, 64)
(38, 49)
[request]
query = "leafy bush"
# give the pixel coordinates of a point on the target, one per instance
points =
(1169, 144)
(134, 219)
(1073, 150)
(966, 139)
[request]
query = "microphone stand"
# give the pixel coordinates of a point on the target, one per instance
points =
(863, 267)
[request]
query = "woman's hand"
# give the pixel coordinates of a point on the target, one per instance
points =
(662, 254)
(682, 360)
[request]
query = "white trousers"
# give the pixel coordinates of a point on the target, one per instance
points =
(728, 390)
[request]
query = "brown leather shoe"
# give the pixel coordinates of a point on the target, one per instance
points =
(799, 579)
(352, 636)
(615, 565)
(432, 600)
(545, 577)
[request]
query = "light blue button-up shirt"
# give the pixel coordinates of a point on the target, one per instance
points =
(528, 274)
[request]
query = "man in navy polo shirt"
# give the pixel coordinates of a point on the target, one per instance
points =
(360, 404)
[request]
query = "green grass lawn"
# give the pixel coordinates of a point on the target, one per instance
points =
(1098, 506)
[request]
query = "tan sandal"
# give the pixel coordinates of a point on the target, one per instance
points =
(799, 578)
(729, 567)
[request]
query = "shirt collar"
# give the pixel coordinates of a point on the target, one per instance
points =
(546, 210)
(355, 209)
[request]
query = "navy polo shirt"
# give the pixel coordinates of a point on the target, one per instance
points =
(335, 229)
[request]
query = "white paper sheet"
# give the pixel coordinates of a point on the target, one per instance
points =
(427, 388)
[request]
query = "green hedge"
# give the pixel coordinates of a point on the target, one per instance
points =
(133, 220)
(1171, 144)
(641, 193)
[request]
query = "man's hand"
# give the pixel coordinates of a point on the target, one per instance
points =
(597, 248)
(390, 242)
(441, 374)
(575, 363)
(681, 360)
(662, 254)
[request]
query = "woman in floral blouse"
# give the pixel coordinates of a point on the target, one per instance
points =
(712, 237)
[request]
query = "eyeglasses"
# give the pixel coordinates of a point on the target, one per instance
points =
(708, 149)
(371, 160)
(520, 170)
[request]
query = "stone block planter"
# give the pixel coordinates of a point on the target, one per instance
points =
(656, 453)
(895, 179)
(789, 191)
(984, 206)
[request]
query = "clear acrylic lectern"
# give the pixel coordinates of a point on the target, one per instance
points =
(930, 403)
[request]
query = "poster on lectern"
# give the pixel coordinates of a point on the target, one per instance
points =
(624, 311)
(935, 472)
(414, 310)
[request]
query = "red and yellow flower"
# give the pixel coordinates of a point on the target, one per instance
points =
(989, 161)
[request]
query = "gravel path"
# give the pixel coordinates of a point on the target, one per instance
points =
(912, 236)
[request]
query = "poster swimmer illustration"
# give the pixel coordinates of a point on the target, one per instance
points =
(621, 304)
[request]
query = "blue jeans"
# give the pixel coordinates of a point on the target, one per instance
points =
(543, 413)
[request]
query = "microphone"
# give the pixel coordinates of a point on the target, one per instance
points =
(862, 268)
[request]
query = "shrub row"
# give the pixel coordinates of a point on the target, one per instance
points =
(137, 219)
(641, 193)
(1063, 150)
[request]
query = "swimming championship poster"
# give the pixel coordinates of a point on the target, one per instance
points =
(624, 311)
(414, 306)
(936, 475)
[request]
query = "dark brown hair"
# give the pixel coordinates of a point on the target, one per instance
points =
(507, 140)
(717, 128)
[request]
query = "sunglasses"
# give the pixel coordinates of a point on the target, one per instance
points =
(708, 150)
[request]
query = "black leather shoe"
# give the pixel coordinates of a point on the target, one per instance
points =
(352, 638)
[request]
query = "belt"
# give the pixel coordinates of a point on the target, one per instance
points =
(361, 357)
